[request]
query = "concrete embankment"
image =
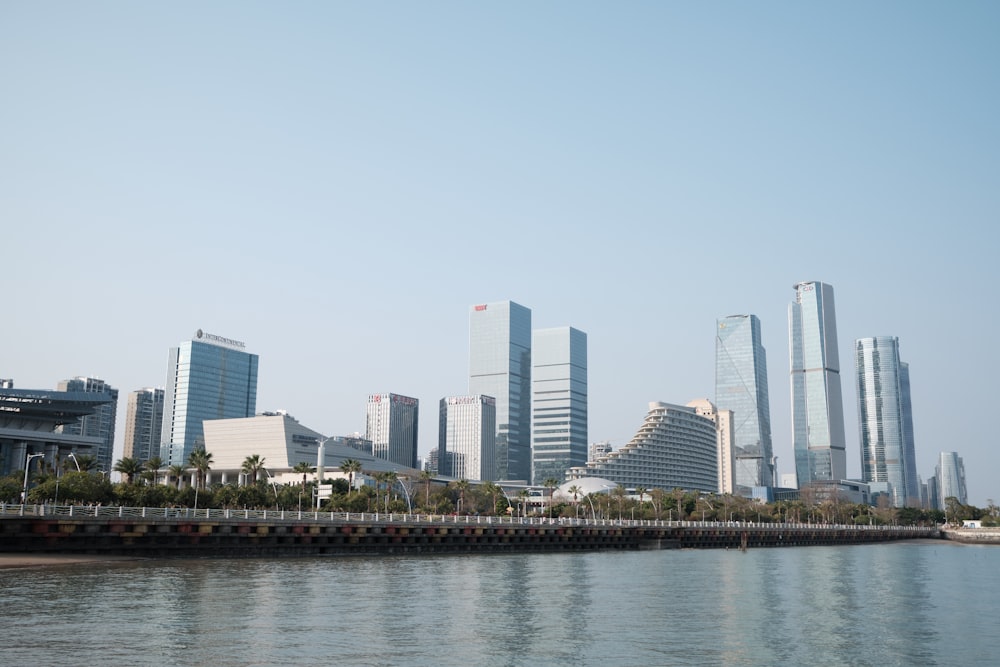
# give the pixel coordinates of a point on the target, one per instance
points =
(972, 535)
(232, 535)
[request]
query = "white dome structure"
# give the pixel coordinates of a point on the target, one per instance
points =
(587, 486)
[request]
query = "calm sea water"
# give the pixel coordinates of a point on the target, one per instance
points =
(922, 603)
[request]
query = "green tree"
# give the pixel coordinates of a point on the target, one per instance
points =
(252, 465)
(305, 469)
(201, 461)
(462, 485)
(551, 483)
(154, 465)
(350, 467)
(176, 473)
(87, 462)
(129, 467)
(425, 478)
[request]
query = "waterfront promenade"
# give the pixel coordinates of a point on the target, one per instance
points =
(183, 532)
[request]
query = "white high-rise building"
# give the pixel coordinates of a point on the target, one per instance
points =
(392, 428)
(467, 437)
(558, 402)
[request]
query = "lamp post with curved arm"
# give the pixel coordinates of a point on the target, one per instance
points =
(27, 465)
(71, 455)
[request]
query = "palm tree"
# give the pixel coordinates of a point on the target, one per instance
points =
(305, 469)
(128, 467)
(461, 485)
(493, 490)
(619, 493)
(641, 490)
(251, 466)
(87, 462)
(349, 467)
(176, 472)
(575, 490)
(154, 465)
(201, 461)
(390, 478)
(551, 484)
(425, 477)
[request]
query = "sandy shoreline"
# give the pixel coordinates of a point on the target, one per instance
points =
(11, 560)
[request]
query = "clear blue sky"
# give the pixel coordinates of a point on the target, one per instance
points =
(335, 183)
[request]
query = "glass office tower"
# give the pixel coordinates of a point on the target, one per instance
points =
(882, 420)
(209, 377)
(817, 403)
(558, 402)
(741, 386)
(500, 366)
(950, 473)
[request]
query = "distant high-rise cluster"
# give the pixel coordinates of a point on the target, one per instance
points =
(524, 418)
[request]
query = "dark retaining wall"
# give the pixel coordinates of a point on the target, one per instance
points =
(165, 538)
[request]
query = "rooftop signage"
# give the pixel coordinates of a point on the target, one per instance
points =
(205, 337)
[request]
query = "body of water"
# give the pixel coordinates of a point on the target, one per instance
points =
(914, 603)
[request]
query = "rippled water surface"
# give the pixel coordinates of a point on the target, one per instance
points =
(896, 604)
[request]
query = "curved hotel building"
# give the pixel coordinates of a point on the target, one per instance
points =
(674, 448)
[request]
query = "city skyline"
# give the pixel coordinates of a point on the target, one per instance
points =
(637, 173)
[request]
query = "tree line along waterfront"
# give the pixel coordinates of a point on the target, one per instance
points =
(152, 484)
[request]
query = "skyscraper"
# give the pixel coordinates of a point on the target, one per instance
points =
(950, 473)
(392, 428)
(817, 402)
(144, 424)
(558, 402)
(101, 424)
(467, 434)
(208, 377)
(500, 366)
(741, 386)
(884, 420)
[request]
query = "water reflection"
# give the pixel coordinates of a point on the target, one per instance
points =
(893, 604)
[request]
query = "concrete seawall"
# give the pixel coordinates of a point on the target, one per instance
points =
(972, 535)
(234, 536)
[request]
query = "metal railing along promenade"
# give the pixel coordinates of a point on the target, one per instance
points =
(105, 512)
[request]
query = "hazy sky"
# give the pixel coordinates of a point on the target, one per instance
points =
(336, 183)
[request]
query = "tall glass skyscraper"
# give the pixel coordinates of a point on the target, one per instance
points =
(500, 366)
(209, 377)
(817, 402)
(558, 402)
(884, 420)
(392, 428)
(741, 386)
(950, 473)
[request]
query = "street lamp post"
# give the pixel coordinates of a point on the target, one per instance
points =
(406, 492)
(27, 464)
(71, 455)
